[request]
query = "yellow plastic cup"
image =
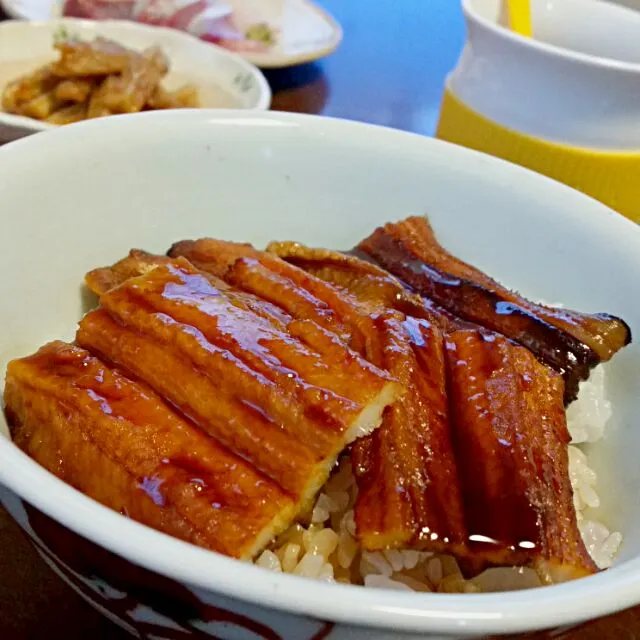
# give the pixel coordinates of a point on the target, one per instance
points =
(565, 103)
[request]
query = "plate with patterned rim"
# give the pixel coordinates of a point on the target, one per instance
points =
(223, 79)
(268, 33)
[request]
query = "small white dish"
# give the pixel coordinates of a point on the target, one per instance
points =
(301, 31)
(77, 197)
(224, 79)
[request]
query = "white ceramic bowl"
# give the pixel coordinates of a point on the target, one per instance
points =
(78, 197)
(225, 79)
(577, 81)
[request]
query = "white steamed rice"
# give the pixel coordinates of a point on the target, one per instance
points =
(327, 549)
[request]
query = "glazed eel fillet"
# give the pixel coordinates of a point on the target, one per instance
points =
(374, 288)
(473, 459)
(567, 341)
(296, 293)
(285, 396)
(118, 442)
(511, 440)
(192, 407)
(406, 476)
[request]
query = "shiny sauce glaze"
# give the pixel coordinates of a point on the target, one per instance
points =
(510, 434)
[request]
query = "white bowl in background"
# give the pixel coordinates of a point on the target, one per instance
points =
(225, 79)
(78, 197)
(576, 82)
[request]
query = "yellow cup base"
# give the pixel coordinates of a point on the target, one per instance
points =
(609, 176)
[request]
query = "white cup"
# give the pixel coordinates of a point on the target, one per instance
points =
(576, 82)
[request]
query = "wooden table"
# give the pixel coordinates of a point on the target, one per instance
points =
(389, 71)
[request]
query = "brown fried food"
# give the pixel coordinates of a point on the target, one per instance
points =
(118, 442)
(103, 76)
(28, 88)
(130, 92)
(41, 107)
(568, 341)
(75, 89)
(97, 103)
(68, 115)
(9, 97)
(184, 98)
(287, 399)
(101, 57)
(510, 437)
(408, 488)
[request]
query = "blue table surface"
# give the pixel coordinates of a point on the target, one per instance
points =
(390, 68)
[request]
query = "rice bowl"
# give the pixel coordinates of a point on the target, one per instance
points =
(571, 214)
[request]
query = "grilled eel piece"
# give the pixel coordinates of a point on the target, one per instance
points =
(407, 481)
(568, 341)
(212, 255)
(118, 442)
(139, 263)
(372, 286)
(510, 436)
(286, 398)
(223, 256)
(507, 500)
(375, 288)
(408, 490)
(294, 292)
(412, 490)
